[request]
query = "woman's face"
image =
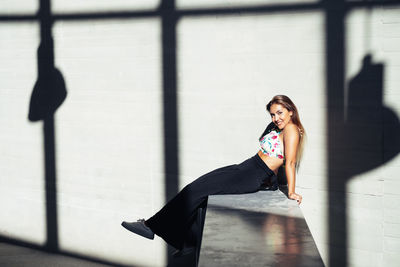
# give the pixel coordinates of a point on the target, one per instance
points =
(280, 115)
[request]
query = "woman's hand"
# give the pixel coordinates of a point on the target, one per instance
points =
(296, 197)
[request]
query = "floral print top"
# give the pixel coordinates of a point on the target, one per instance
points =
(271, 144)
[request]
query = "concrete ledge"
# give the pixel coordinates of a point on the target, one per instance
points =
(259, 229)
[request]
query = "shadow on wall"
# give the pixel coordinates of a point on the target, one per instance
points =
(49, 91)
(170, 107)
(374, 128)
(369, 134)
(367, 137)
(48, 94)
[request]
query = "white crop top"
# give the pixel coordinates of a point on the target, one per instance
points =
(271, 145)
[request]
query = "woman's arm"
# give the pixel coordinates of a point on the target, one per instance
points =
(291, 138)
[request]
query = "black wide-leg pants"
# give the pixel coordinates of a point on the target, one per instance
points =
(175, 220)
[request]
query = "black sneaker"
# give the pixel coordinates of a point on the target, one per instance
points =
(139, 228)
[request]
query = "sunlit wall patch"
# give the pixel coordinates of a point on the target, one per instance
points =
(109, 136)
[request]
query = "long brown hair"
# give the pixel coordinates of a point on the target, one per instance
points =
(290, 106)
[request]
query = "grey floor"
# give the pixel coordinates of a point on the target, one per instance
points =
(12, 255)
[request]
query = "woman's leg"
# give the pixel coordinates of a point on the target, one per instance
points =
(174, 220)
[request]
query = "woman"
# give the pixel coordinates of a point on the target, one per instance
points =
(281, 142)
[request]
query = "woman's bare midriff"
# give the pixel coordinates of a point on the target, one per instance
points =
(272, 162)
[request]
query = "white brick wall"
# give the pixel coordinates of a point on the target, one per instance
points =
(109, 130)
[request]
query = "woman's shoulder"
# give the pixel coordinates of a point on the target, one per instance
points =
(291, 130)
